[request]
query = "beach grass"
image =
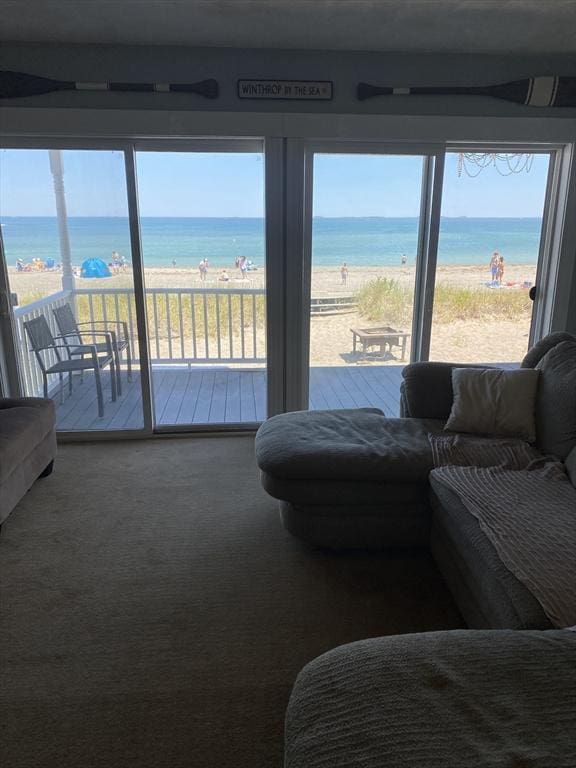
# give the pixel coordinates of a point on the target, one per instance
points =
(180, 324)
(176, 316)
(387, 301)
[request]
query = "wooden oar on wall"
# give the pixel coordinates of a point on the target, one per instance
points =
(533, 92)
(16, 84)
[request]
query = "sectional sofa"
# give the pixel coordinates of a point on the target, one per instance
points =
(503, 694)
(355, 478)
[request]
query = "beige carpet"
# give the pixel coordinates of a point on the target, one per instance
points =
(155, 613)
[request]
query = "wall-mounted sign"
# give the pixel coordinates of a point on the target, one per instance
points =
(310, 90)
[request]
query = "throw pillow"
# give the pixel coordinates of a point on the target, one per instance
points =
(494, 402)
(556, 401)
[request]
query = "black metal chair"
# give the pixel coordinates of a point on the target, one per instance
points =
(43, 342)
(72, 334)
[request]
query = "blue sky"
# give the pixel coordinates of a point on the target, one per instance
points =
(180, 184)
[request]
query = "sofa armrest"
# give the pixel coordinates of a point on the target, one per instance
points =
(426, 389)
(25, 402)
(537, 352)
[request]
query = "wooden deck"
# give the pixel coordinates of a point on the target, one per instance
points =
(222, 396)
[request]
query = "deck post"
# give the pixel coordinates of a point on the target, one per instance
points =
(57, 168)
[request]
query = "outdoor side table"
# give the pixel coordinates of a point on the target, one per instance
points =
(382, 336)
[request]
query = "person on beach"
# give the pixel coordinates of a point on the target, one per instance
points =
(203, 269)
(244, 267)
(494, 261)
(403, 260)
(500, 270)
(174, 263)
(224, 276)
(344, 273)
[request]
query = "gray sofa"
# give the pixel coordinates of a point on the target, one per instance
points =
(356, 478)
(27, 447)
(487, 699)
(463, 698)
(486, 592)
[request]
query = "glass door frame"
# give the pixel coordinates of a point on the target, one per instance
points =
(124, 147)
(10, 379)
(288, 206)
(432, 155)
(555, 240)
(274, 178)
(272, 268)
(551, 233)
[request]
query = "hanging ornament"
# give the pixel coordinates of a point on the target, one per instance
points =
(506, 164)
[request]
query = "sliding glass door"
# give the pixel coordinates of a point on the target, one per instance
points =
(491, 229)
(67, 247)
(145, 285)
(138, 283)
(202, 233)
(366, 250)
(416, 257)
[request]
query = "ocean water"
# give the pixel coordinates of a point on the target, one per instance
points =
(357, 241)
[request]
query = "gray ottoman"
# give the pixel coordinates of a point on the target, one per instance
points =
(349, 478)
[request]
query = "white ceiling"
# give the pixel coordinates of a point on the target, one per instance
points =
(439, 26)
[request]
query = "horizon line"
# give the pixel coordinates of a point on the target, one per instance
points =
(255, 218)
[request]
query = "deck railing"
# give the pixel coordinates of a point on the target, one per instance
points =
(31, 373)
(185, 325)
(188, 325)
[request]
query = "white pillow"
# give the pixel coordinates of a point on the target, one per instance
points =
(490, 401)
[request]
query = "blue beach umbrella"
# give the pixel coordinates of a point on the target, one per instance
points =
(94, 268)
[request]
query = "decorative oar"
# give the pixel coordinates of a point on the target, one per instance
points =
(16, 84)
(534, 91)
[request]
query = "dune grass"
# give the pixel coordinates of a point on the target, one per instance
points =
(182, 324)
(387, 301)
(167, 313)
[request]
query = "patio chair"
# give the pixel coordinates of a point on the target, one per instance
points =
(72, 334)
(43, 344)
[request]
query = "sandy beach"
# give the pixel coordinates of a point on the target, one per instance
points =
(484, 340)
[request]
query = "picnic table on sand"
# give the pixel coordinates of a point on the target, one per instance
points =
(382, 336)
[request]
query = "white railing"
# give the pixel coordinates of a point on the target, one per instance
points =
(31, 373)
(188, 325)
(185, 325)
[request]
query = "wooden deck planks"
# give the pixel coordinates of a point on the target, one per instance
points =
(217, 411)
(202, 412)
(247, 397)
(186, 414)
(233, 406)
(220, 396)
(260, 395)
(382, 388)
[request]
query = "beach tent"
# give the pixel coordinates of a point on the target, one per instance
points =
(95, 268)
